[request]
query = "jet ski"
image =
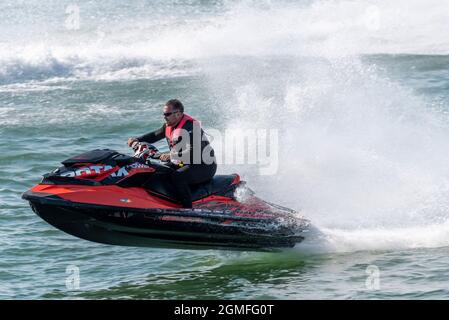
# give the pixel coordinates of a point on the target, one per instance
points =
(112, 198)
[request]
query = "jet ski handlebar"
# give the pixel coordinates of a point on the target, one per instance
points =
(145, 150)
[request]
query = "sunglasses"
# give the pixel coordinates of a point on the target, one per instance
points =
(168, 114)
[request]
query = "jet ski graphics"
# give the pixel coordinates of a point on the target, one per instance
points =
(112, 198)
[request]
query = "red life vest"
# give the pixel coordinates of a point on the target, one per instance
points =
(172, 133)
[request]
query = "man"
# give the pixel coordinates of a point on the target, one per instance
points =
(188, 146)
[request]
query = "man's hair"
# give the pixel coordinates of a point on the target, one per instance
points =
(175, 104)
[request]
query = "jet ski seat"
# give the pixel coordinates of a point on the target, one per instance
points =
(218, 185)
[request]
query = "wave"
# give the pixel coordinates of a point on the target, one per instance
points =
(46, 64)
(423, 236)
(143, 45)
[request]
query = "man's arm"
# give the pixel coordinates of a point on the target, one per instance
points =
(153, 136)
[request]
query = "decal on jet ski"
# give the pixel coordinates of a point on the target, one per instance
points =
(138, 166)
(87, 171)
(181, 219)
(121, 173)
(100, 169)
(124, 170)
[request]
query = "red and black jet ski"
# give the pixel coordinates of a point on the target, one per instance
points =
(112, 198)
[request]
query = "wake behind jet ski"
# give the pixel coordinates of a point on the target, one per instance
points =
(112, 198)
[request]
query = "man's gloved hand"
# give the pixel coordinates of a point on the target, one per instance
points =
(131, 141)
(165, 157)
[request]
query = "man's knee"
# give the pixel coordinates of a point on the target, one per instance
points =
(178, 176)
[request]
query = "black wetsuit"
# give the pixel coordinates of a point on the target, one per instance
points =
(194, 170)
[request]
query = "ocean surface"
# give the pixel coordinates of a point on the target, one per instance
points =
(358, 92)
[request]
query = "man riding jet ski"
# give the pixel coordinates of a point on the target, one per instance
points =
(190, 153)
(112, 198)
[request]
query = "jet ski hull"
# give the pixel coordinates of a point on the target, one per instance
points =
(198, 228)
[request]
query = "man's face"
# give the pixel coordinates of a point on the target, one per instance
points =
(171, 117)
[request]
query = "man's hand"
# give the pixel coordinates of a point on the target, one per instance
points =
(131, 141)
(165, 157)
